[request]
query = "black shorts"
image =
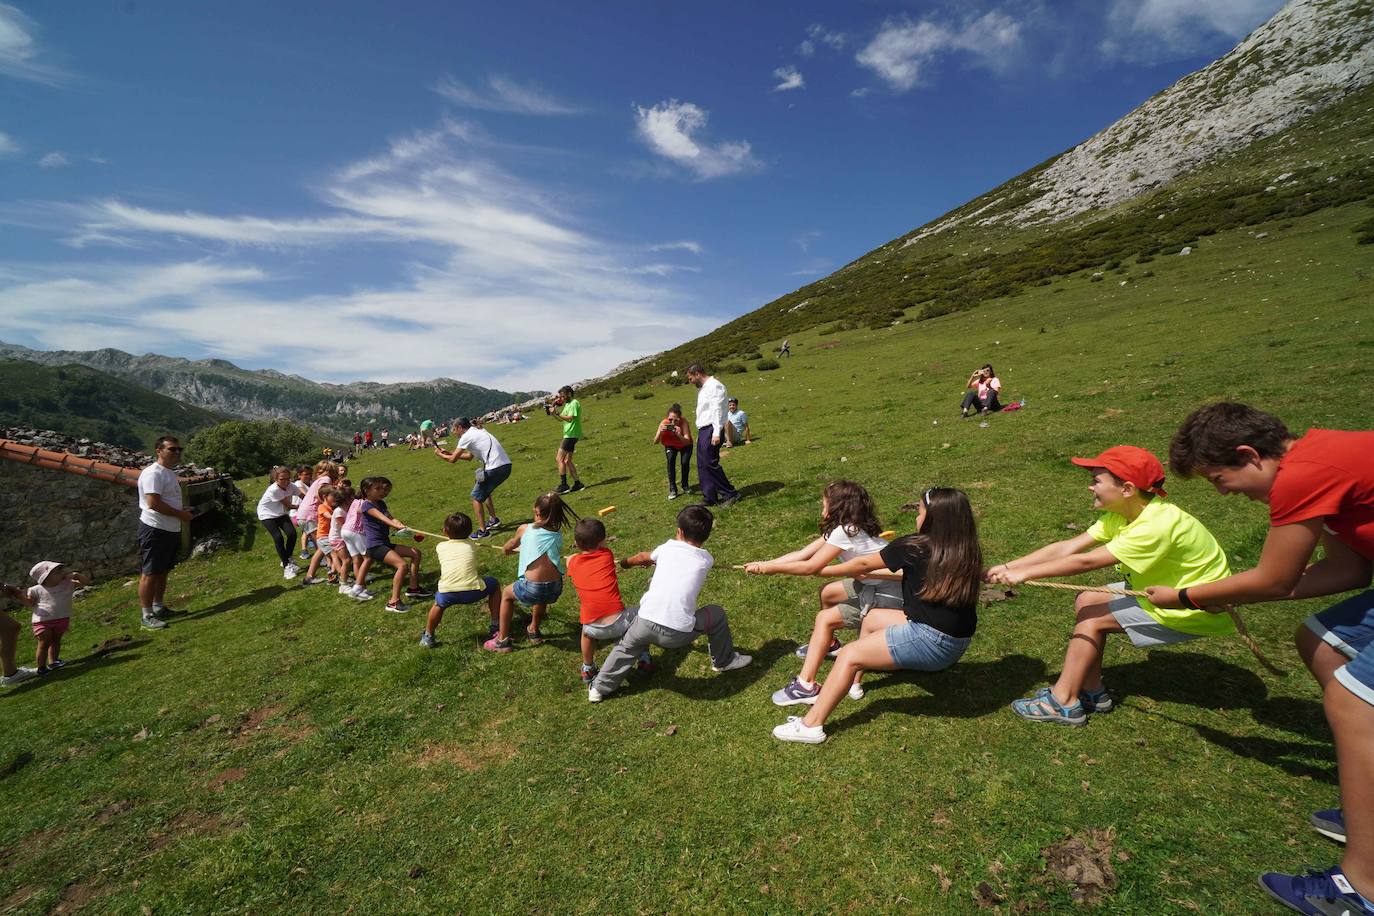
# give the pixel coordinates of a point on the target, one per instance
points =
(158, 549)
(568, 445)
(379, 552)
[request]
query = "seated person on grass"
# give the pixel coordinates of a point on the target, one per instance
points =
(602, 612)
(1154, 543)
(1320, 490)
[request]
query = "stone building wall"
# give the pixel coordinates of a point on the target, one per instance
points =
(88, 524)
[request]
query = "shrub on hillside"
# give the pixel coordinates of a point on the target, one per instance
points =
(247, 448)
(764, 365)
(1364, 233)
(752, 356)
(642, 395)
(733, 369)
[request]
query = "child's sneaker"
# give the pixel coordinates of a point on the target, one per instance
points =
(332, 578)
(495, 644)
(427, 640)
(1316, 892)
(56, 664)
(479, 534)
(594, 695)
(305, 555)
(738, 661)
(672, 494)
(834, 650)
(361, 594)
(346, 589)
(795, 693)
(152, 623)
(19, 676)
(1097, 701)
(1043, 707)
(397, 607)
(492, 524)
(290, 571)
(589, 673)
(577, 485)
(493, 630)
(1329, 823)
(534, 637)
(314, 580)
(561, 489)
(856, 691)
(795, 730)
(418, 593)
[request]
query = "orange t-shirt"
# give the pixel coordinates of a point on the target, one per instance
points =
(593, 575)
(322, 517)
(1327, 474)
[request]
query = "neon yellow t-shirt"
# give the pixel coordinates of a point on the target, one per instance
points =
(458, 567)
(1167, 546)
(572, 427)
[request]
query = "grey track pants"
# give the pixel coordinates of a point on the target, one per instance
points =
(645, 633)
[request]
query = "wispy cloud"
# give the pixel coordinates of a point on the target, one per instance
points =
(808, 238)
(903, 48)
(1153, 29)
(788, 78)
(818, 35)
(504, 94)
(54, 160)
(673, 129)
(20, 55)
(684, 245)
(8, 147)
(477, 246)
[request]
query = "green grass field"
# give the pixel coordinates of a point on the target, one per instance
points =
(285, 749)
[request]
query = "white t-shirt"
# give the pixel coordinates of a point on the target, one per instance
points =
(162, 481)
(484, 447)
(53, 603)
(679, 574)
(336, 521)
(275, 501)
(859, 544)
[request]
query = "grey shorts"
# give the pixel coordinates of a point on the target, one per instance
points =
(859, 599)
(1145, 632)
(614, 630)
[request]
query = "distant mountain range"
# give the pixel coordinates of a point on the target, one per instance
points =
(224, 388)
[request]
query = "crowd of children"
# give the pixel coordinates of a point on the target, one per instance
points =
(912, 600)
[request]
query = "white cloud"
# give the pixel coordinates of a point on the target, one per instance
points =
(808, 238)
(671, 129)
(1151, 29)
(503, 94)
(8, 147)
(902, 49)
(485, 259)
(684, 245)
(788, 78)
(54, 160)
(20, 55)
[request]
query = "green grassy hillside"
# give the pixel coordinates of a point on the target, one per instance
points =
(80, 401)
(1324, 161)
(284, 749)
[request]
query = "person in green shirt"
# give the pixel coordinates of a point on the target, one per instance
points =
(1154, 543)
(566, 408)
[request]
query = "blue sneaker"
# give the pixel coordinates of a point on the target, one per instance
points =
(1329, 823)
(1322, 893)
(834, 650)
(479, 534)
(493, 524)
(1043, 707)
(1098, 701)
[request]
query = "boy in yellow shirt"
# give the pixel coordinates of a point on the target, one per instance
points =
(1154, 543)
(459, 582)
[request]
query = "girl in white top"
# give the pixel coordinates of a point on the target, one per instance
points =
(849, 529)
(274, 511)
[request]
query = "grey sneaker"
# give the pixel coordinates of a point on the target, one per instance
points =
(1101, 701)
(19, 676)
(362, 594)
(152, 623)
(832, 652)
(427, 640)
(314, 580)
(796, 693)
(739, 661)
(397, 607)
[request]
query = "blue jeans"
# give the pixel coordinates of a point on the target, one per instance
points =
(482, 489)
(917, 647)
(531, 593)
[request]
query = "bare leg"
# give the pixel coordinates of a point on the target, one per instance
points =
(436, 614)
(398, 563)
(150, 588)
(55, 648)
(827, 622)
(1321, 659)
(1352, 723)
(1083, 658)
(494, 605)
(507, 612)
(9, 644)
(537, 612)
(588, 650)
(865, 653)
(479, 510)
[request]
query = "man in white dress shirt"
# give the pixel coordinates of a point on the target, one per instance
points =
(710, 423)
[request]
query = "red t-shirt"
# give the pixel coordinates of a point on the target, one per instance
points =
(675, 435)
(1329, 474)
(593, 575)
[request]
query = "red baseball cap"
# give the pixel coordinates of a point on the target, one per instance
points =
(1132, 464)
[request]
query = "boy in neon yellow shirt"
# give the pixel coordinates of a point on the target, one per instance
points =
(1154, 543)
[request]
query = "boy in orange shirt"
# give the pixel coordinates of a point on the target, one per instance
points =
(603, 614)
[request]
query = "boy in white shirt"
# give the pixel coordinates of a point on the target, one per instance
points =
(668, 612)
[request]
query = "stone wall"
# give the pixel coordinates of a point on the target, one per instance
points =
(88, 524)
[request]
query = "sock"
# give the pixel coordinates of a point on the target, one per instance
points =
(587, 667)
(807, 684)
(563, 479)
(147, 612)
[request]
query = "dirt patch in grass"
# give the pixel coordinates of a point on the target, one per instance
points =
(222, 779)
(828, 345)
(113, 810)
(21, 896)
(1084, 860)
(184, 825)
(111, 644)
(991, 593)
(487, 748)
(31, 846)
(79, 894)
(254, 718)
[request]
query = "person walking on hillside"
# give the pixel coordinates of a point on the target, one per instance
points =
(710, 423)
(786, 348)
(568, 409)
(426, 434)
(160, 519)
(493, 468)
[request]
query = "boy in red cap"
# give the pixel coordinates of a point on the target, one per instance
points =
(1149, 539)
(1320, 490)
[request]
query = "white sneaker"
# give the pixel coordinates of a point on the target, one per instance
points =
(794, 730)
(594, 695)
(739, 661)
(290, 571)
(856, 691)
(19, 676)
(345, 589)
(362, 594)
(314, 580)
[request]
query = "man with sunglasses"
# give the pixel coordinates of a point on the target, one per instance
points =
(159, 529)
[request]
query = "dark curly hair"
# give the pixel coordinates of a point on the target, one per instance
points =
(849, 508)
(1211, 435)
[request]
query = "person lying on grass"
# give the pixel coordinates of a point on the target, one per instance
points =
(459, 581)
(942, 570)
(601, 610)
(849, 529)
(1320, 491)
(668, 612)
(1154, 543)
(378, 524)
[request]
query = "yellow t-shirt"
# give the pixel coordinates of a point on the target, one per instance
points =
(1167, 546)
(458, 567)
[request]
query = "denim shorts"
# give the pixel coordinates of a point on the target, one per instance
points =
(918, 647)
(532, 593)
(481, 489)
(1348, 628)
(470, 596)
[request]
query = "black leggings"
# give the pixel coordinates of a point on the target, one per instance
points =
(684, 455)
(283, 531)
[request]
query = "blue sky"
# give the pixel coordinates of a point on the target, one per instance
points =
(516, 194)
